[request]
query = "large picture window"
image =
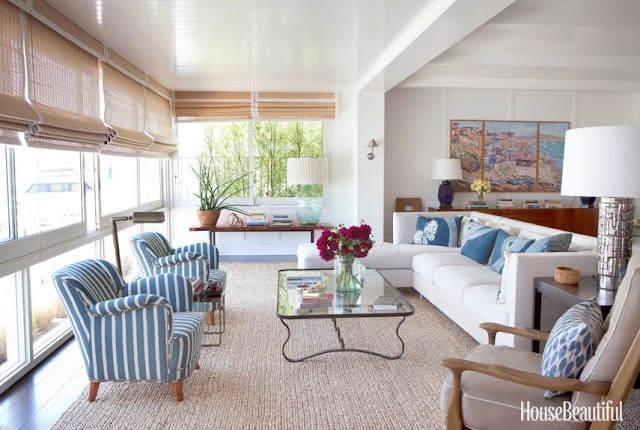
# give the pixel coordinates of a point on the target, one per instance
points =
(118, 182)
(237, 148)
(48, 189)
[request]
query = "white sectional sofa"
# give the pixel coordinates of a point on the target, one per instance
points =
(461, 288)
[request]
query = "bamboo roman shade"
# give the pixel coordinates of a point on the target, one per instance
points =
(64, 89)
(214, 105)
(15, 112)
(158, 121)
(124, 109)
(289, 105)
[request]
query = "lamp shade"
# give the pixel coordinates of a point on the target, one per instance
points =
(602, 162)
(446, 169)
(307, 171)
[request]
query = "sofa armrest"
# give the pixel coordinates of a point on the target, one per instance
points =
(523, 268)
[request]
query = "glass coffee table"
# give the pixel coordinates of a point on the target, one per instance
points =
(344, 305)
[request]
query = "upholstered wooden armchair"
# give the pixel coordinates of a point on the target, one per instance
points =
(486, 390)
(199, 260)
(140, 331)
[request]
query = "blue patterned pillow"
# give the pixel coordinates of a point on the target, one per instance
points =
(507, 242)
(557, 243)
(572, 342)
(437, 231)
(477, 241)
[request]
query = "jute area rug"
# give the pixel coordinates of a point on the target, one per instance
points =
(247, 384)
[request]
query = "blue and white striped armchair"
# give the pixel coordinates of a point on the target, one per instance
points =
(199, 260)
(140, 331)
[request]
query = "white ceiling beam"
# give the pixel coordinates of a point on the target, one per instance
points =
(449, 22)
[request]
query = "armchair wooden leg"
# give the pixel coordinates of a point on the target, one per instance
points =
(197, 366)
(93, 390)
(454, 414)
(212, 318)
(177, 391)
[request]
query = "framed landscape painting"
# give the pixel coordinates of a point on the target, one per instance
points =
(551, 155)
(510, 155)
(466, 144)
(514, 156)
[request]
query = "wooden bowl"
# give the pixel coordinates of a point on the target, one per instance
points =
(566, 275)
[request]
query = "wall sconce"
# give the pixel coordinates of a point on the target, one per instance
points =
(372, 144)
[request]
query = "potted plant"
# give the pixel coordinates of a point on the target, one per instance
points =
(212, 196)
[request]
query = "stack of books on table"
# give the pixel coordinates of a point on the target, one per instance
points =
(257, 218)
(552, 204)
(505, 203)
(474, 204)
(316, 300)
(282, 220)
(386, 303)
(530, 204)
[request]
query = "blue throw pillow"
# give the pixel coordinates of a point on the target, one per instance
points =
(507, 242)
(572, 342)
(557, 243)
(437, 231)
(478, 241)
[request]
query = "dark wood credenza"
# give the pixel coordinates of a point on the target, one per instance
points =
(575, 220)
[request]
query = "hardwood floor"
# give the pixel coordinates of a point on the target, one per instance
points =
(40, 398)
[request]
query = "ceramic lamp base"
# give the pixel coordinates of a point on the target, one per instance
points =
(308, 206)
(445, 195)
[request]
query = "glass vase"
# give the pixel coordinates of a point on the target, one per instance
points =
(346, 278)
(481, 196)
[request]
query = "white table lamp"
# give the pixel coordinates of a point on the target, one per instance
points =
(308, 172)
(603, 162)
(446, 170)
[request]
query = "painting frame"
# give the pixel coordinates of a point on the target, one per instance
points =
(514, 156)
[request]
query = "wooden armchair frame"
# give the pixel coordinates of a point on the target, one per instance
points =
(615, 391)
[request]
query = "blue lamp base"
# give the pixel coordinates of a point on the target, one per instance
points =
(445, 195)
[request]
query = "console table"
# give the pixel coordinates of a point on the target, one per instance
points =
(226, 228)
(575, 220)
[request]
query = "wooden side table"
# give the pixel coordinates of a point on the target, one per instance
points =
(225, 228)
(568, 295)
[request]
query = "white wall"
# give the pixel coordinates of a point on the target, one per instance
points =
(369, 185)
(417, 130)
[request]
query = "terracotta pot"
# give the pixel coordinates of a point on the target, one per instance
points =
(208, 217)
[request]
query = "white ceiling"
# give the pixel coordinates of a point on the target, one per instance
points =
(579, 44)
(296, 45)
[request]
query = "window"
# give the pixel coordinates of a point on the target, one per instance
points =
(150, 180)
(9, 341)
(5, 232)
(127, 259)
(275, 141)
(235, 146)
(118, 181)
(48, 319)
(48, 189)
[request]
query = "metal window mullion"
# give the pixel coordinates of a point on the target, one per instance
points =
(12, 193)
(251, 146)
(83, 191)
(139, 192)
(98, 190)
(26, 333)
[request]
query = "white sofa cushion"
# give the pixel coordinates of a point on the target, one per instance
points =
(481, 301)
(381, 256)
(426, 264)
(456, 279)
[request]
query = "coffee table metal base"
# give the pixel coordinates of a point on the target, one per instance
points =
(342, 348)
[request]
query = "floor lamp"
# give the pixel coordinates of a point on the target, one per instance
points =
(136, 218)
(603, 162)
